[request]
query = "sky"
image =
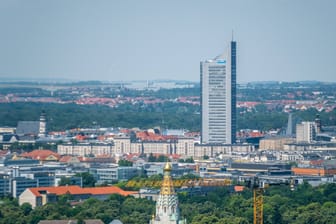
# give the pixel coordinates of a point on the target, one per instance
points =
(123, 40)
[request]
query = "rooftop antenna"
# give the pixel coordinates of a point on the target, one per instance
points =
(232, 36)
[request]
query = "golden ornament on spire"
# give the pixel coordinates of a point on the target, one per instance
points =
(167, 167)
(167, 187)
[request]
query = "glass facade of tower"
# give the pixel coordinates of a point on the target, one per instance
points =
(233, 93)
(218, 98)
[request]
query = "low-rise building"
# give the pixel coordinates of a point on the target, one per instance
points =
(114, 173)
(213, 150)
(304, 146)
(314, 171)
(258, 167)
(39, 196)
(157, 168)
(275, 143)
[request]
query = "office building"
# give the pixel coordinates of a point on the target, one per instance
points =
(115, 174)
(4, 185)
(218, 98)
(20, 184)
(306, 132)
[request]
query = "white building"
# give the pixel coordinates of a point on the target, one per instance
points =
(306, 132)
(42, 125)
(218, 98)
(183, 146)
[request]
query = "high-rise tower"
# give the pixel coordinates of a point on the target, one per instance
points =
(42, 125)
(218, 98)
(289, 130)
(167, 209)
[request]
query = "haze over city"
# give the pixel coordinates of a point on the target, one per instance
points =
(140, 40)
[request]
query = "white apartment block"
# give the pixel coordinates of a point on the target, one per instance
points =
(305, 132)
(183, 146)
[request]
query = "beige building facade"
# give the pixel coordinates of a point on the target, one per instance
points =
(182, 146)
(274, 143)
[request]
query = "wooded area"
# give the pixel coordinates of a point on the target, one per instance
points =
(281, 205)
(167, 115)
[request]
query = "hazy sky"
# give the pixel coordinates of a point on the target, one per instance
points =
(285, 40)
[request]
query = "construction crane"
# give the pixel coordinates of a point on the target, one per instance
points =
(258, 204)
(181, 183)
(258, 186)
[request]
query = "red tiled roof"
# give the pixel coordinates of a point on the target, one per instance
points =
(131, 156)
(101, 137)
(61, 190)
(81, 137)
(103, 156)
(3, 153)
(175, 156)
(238, 188)
(125, 131)
(66, 159)
(256, 134)
(149, 136)
(40, 154)
(107, 190)
(316, 162)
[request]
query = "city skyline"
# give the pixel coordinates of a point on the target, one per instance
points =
(129, 40)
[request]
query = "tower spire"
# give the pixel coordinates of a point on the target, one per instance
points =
(167, 210)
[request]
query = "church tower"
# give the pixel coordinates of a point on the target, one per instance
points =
(167, 210)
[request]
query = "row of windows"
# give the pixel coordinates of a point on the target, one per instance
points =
(221, 113)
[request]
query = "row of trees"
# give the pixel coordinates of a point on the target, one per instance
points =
(166, 115)
(281, 205)
(68, 116)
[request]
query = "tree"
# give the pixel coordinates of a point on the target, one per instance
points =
(189, 160)
(205, 157)
(64, 181)
(151, 158)
(205, 219)
(124, 162)
(162, 158)
(88, 179)
(26, 208)
(328, 212)
(309, 214)
(233, 220)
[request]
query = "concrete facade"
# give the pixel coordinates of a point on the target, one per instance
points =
(274, 143)
(184, 147)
